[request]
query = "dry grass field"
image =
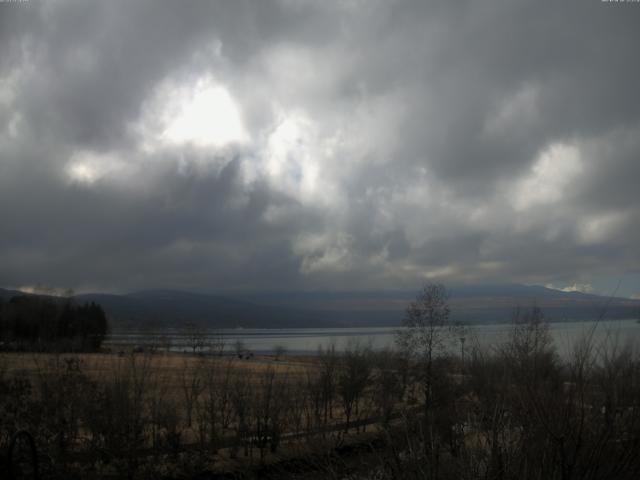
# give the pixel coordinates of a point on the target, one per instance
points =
(167, 373)
(170, 364)
(232, 414)
(173, 415)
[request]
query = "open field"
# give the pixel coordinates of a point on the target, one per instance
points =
(96, 365)
(171, 415)
(137, 405)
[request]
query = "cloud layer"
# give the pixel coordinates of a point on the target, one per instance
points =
(298, 144)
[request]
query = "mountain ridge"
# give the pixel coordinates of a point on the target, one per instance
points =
(469, 304)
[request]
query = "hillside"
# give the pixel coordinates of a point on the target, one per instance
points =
(156, 308)
(470, 304)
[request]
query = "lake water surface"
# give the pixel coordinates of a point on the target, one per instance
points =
(305, 341)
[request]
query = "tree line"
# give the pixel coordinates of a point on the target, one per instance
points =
(30, 322)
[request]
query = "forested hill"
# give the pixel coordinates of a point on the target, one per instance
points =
(469, 304)
(44, 323)
(168, 308)
(472, 304)
(157, 308)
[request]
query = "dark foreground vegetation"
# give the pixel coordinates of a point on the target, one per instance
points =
(515, 411)
(35, 323)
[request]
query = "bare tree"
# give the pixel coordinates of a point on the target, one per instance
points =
(165, 342)
(192, 386)
(268, 397)
(427, 326)
(387, 384)
(217, 343)
(353, 379)
(313, 388)
(279, 351)
(530, 350)
(328, 359)
(239, 347)
(217, 408)
(297, 405)
(195, 337)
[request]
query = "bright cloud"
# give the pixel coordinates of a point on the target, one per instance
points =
(550, 175)
(200, 114)
(601, 227)
(87, 167)
(324, 253)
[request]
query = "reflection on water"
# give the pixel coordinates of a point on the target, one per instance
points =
(305, 341)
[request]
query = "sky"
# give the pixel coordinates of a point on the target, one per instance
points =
(334, 145)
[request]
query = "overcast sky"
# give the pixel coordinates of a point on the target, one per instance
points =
(242, 146)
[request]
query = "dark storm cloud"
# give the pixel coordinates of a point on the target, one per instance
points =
(198, 228)
(381, 143)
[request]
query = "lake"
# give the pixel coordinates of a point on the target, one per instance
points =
(305, 341)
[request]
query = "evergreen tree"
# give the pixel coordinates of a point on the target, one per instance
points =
(32, 320)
